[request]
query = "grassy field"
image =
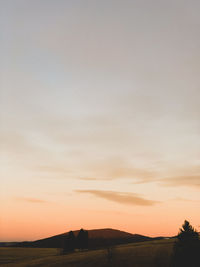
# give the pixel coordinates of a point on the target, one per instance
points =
(148, 254)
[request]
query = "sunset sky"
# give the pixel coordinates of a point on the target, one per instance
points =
(99, 116)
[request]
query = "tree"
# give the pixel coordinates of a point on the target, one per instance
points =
(69, 243)
(82, 239)
(187, 248)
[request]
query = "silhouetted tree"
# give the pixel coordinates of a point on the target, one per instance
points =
(82, 239)
(187, 248)
(69, 243)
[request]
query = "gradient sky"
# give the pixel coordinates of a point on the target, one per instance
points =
(99, 109)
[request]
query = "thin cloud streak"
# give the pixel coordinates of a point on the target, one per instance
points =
(188, 181)
(90, 179)
(185, 200)
(120, 197)
(31, 200)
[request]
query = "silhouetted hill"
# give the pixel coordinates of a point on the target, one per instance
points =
(97, 238)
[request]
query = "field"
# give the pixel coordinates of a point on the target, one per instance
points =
(148, 254)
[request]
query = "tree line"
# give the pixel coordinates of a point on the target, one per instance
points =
(72, 242)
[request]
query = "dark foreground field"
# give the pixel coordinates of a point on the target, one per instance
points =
(148, 254)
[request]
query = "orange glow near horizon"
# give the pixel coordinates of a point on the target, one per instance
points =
(32, 223)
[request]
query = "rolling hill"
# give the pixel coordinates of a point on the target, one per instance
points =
(97, 238)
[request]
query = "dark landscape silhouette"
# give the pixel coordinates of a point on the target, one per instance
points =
(107, 247)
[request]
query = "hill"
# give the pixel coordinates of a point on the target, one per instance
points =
(97, 238)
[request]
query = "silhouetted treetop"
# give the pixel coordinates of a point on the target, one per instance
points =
(82, 239)
(69, 242)
(187, 233)
(187, 247)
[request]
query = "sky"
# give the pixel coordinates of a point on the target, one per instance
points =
(99, 116)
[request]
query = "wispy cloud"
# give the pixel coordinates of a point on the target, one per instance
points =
(31, 200)
(189, 181)
(90, 179)
(120, 197)
(185, 200)
(117, 168)
(107, 169)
